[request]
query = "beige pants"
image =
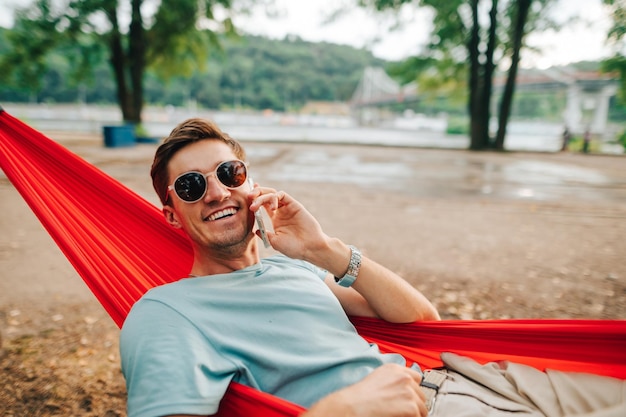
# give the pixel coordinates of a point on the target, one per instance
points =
(507, 389)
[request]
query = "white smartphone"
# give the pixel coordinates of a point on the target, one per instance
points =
(260, 221)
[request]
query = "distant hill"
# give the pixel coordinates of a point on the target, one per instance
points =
(252, 72)
(256, 73)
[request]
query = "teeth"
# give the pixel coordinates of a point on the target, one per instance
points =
(220, 214)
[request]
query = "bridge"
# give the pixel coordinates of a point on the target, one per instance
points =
(587, 92)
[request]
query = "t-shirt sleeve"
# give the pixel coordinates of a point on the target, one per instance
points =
(169, 367)
(321, 273)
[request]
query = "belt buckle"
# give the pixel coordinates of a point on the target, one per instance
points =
(431, 382)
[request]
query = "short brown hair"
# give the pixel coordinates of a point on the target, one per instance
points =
(187, 132)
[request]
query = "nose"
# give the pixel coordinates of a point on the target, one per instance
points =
(215, 190)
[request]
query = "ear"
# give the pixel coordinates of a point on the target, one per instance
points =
(171, 217)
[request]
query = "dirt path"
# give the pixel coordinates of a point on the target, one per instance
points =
(483, 235)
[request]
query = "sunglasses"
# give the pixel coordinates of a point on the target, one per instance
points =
(192, 186)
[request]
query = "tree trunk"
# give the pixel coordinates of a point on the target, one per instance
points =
(523, 7)
(136, 61)
(477, 138)
(488, 70)
(118, 63)
(128, 68)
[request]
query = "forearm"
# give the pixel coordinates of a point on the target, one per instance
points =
(332, 405)
(384, 293)
(389, 391)
(390, 296)
(377, 290)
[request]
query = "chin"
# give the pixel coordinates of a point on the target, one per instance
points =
(232, 239)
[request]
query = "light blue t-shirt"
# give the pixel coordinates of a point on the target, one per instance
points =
(274, 326)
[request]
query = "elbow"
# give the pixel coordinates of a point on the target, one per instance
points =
(432, 315)
(423, 313)
(426, 313)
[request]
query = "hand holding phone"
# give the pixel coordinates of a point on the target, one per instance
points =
(261, 216)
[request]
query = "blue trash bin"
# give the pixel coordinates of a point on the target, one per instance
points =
(118, 136)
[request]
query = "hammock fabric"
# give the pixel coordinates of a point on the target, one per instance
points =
(121, 246)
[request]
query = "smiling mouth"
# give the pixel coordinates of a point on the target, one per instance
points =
(222, 214)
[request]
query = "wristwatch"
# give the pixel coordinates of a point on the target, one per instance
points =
(353, 268)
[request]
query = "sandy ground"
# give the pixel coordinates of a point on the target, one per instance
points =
(483, 235)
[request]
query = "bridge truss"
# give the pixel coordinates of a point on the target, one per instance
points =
(588, 94)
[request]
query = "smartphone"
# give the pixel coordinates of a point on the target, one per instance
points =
(260, 216)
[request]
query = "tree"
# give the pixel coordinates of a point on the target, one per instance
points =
(617, 63)
(474, 37)
(23, 62)
(520, 16)
(173, 40)
(617, 36)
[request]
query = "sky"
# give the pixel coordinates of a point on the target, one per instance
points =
(361, 28)
(582, 41)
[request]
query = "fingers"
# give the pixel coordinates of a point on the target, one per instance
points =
(267, 197)
(417, 389)
(415, 383)
(394, 390)
(417, 378)
(423, 410)
(421, 405)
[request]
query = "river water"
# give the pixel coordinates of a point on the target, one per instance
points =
(416, 131)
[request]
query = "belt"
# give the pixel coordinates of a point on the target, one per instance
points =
(431, 382)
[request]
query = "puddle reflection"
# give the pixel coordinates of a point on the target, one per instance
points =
(442, 175)
(344, 169)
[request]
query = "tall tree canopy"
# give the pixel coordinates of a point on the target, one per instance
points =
(171, 36)
(617, 37)
(470, 39)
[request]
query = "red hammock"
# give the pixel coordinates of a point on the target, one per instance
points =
(121, 246)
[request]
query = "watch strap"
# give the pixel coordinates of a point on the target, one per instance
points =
(353, 268)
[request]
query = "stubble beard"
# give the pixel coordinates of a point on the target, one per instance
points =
(231, 242)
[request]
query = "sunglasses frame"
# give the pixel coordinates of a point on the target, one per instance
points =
(206, 176)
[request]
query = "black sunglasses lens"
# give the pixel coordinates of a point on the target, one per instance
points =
(191, 186)
(232, 173)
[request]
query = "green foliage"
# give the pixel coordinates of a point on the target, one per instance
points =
(174, 45)
(33, 35)
(618, 14)
(458, 126)
(616, 36)
(622, 139)
(576, 145)
(548, 105)
(173, 40)
(258, 73)
(141, 131)
(617, 64)
(249, 72)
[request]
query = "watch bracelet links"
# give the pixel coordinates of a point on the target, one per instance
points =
(353, 268)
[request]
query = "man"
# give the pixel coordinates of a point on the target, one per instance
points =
(277, 324)
(586, 140)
